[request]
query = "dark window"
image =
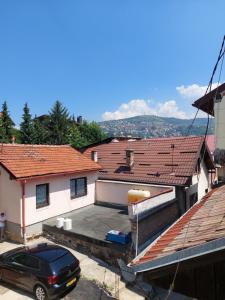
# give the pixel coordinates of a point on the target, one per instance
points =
(42, 195)
(78, 187)
(25, 260)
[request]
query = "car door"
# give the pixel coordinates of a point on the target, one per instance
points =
(13, 269)
(20, 270)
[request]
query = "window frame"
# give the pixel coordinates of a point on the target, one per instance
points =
(46, 203)
(76, 194)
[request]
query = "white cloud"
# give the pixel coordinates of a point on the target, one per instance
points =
(193, 91)
(170, 109)
(139, 107)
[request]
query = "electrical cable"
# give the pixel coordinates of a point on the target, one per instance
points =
(221, 56)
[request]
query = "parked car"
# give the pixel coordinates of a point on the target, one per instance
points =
(45, 270)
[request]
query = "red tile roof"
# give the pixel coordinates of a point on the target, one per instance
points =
(154, 160)
(24, 161)
(203, 223)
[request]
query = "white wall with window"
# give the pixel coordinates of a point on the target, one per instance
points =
(53, 196)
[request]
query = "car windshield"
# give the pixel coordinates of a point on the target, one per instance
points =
(59, 265)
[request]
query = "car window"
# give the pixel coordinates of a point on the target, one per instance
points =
(17, 258)
(25, 260)
(59, 264)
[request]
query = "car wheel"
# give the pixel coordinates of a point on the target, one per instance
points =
(40, 293)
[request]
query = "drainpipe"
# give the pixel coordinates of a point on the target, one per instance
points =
(23, 211)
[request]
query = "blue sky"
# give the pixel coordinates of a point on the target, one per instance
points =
(123, 57)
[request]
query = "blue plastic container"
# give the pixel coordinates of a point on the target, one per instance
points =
(118, 237)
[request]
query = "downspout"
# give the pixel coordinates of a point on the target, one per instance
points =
(23, 211)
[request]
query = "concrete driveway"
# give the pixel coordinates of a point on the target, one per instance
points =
(92, 269)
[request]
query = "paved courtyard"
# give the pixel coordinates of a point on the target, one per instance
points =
(95, 221)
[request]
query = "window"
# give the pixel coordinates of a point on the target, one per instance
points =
(42, 195)
(78, 187)
(25, 260)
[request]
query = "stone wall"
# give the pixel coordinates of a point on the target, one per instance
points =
(104, 250)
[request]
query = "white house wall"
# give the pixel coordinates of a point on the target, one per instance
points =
(203, 181)
(59, 197)
(115, 192)
(10, 197)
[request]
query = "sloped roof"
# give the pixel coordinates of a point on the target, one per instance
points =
(24, 161)
(154, 160)
(195, 231)
(206, 102)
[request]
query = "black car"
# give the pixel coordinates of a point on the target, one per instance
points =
(45, 270)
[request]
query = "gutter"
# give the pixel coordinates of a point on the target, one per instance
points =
(23, 211)
(182, 255)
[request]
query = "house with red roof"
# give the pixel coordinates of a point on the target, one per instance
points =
(188, 257)
(39, 182)
(176, 172)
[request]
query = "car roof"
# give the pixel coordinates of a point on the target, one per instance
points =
(47, 252)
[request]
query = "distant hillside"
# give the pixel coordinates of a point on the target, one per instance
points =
(153, 126)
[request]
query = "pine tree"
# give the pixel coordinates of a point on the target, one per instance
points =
(59, 124)
(40, 133)
(6, 124)
(26, 127)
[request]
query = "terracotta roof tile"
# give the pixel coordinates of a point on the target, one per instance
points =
(153, 160)
(24, 161)
(204, 222)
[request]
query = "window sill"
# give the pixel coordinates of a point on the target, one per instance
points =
(78, 196)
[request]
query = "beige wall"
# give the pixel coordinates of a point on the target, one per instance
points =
(59, 194)
(10, 197)
(116, 191)
(219, 109)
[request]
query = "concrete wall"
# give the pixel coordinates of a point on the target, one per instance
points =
(59, 197)
(144, 207)
(116, 191)
(155, 222)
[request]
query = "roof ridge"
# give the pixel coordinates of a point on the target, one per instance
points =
(34, 145)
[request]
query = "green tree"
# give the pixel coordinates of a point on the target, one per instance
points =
(91, 132)
(6, 124)
(58, 124)
(75, 139)
(26, 126)
(40, 133)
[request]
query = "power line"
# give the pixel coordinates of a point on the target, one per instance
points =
(221, 56)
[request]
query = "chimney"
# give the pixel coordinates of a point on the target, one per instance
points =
(130, 158)
(94, 156)
(13, 139)
(219, 111)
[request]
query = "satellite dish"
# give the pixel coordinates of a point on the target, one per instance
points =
(127, 273)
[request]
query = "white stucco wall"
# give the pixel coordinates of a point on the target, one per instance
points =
(59, 197)
(10, 197)
(116, 191)
(149, 204)
(203, 181)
